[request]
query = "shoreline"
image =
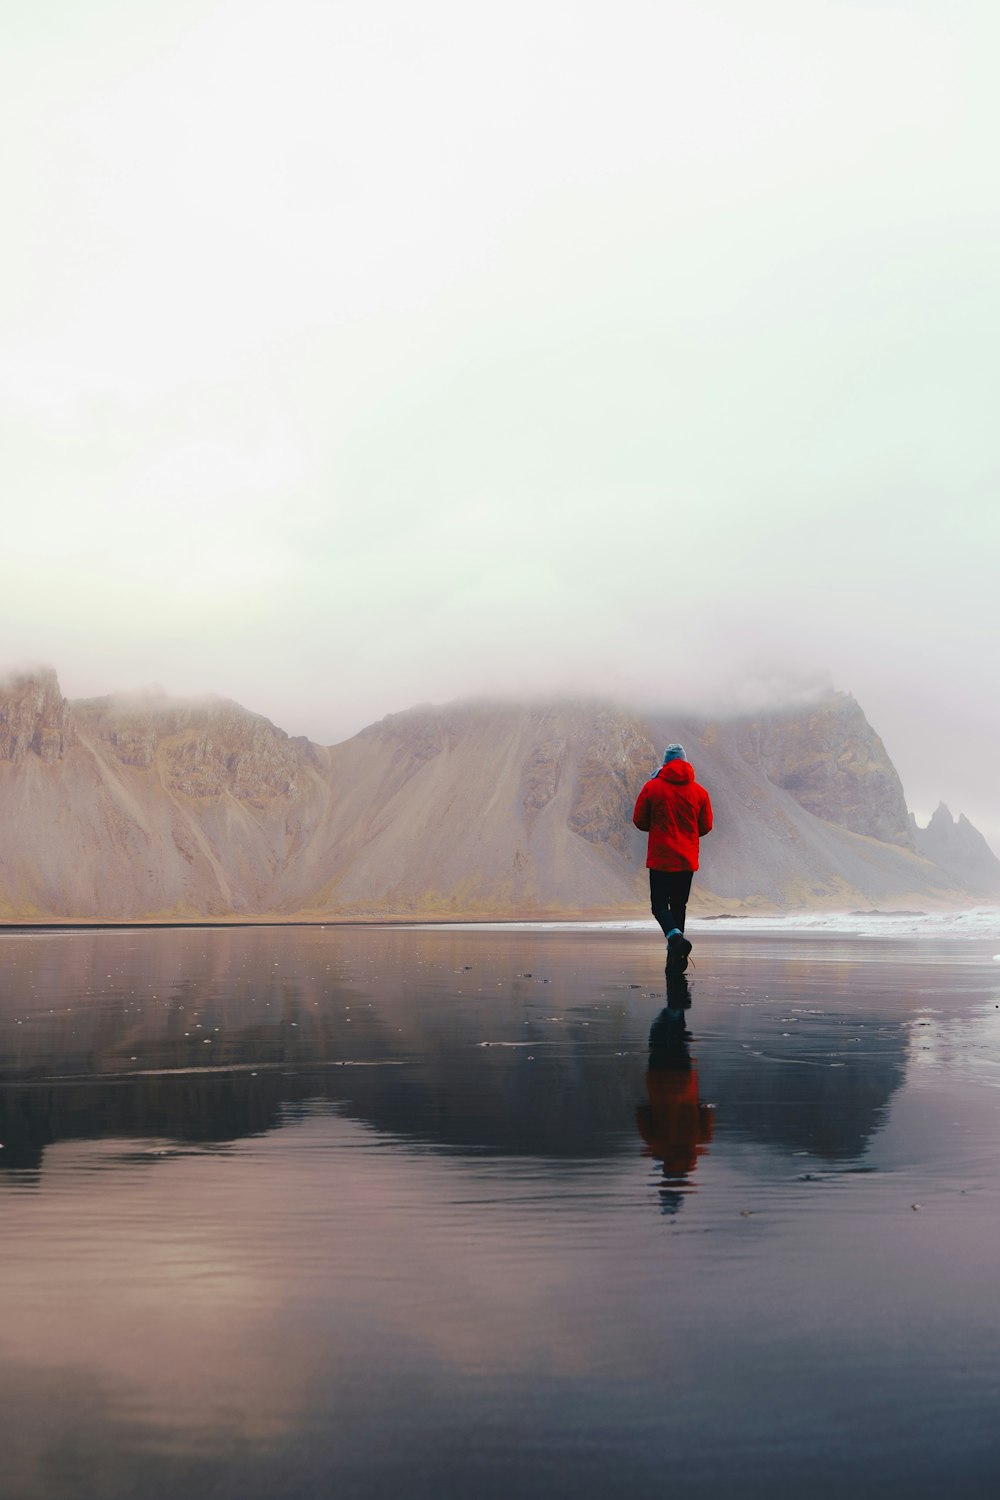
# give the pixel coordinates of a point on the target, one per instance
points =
(975, 918)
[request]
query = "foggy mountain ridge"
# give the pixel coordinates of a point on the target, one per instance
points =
(148, 807)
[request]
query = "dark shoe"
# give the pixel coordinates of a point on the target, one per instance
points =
(678, 949)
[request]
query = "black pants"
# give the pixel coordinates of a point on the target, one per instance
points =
(668, 896)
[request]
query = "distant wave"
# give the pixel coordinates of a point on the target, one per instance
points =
(981, 922)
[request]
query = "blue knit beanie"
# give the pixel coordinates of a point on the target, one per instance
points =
(673, 752)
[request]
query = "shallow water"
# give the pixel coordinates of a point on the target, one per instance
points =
(297, 1212)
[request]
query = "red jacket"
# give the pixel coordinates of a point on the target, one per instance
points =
(675, 811)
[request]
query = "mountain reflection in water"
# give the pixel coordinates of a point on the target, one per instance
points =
(204, 1037)
(305, 1211)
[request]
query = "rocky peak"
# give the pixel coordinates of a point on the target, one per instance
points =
(835, 766)
(203, 748)
(957, 846)
(34, 716)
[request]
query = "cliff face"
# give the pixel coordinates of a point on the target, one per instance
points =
(835, 766)
(200, 750)
(34, 716)
(124, 808)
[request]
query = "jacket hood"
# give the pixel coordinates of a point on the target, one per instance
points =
(678, 771)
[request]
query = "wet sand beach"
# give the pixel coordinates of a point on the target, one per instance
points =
(471, 1210)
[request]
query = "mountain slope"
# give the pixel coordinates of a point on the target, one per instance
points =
(487, 808)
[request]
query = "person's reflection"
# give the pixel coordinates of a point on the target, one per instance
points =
(675, 1126)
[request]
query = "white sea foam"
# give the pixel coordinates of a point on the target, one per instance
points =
(980, 922)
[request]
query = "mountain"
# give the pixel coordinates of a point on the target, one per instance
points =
(133, 807)
(954, 845)
(488, 808)
(146, 807)
(809, 810)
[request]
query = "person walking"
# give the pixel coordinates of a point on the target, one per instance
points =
(676, 813)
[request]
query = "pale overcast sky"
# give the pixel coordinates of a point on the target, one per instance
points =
(354, 355)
